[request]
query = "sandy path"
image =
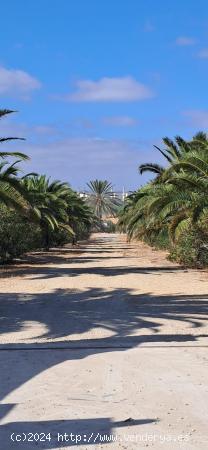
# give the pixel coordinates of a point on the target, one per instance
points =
(98, 334)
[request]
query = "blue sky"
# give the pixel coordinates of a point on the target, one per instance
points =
(97, 83)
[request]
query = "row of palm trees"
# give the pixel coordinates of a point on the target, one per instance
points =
(176, 200)
(53, 205)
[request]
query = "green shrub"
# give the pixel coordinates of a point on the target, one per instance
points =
(17, 235)
(60, 237)
(191, 249)
(159, 240)
(82, 231)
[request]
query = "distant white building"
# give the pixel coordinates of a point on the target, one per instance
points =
(115, 194)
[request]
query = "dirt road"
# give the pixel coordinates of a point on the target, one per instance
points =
(107, 341)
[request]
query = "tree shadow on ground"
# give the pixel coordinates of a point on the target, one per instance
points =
(128, 319)
(46, 271)
(66, 433)
(41, 265)
(65, 312)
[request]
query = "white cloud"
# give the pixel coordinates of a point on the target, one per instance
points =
(82, 122)
(203, 54)
(78, 160)
(197, 117)
(120, 121)
(17, 82)
(8, 127)
(44, 130)
(185, 41)
(125, 89)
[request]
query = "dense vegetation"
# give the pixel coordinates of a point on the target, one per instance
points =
(171, 211)
(36, 212)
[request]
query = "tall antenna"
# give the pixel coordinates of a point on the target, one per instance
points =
(123, 195)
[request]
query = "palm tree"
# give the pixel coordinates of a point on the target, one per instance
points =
(5, 112)
(80, 215)
(189, 177)
(179, 199)
(173, 152)
(49, 204)
(11, 192)
(101, 199)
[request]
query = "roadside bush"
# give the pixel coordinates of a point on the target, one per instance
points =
(191, 249)
(17, 235)
(60, 237)
(159, 241)
(82, 231)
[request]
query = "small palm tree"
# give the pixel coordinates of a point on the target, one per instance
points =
(101, 199)
(48, 201)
